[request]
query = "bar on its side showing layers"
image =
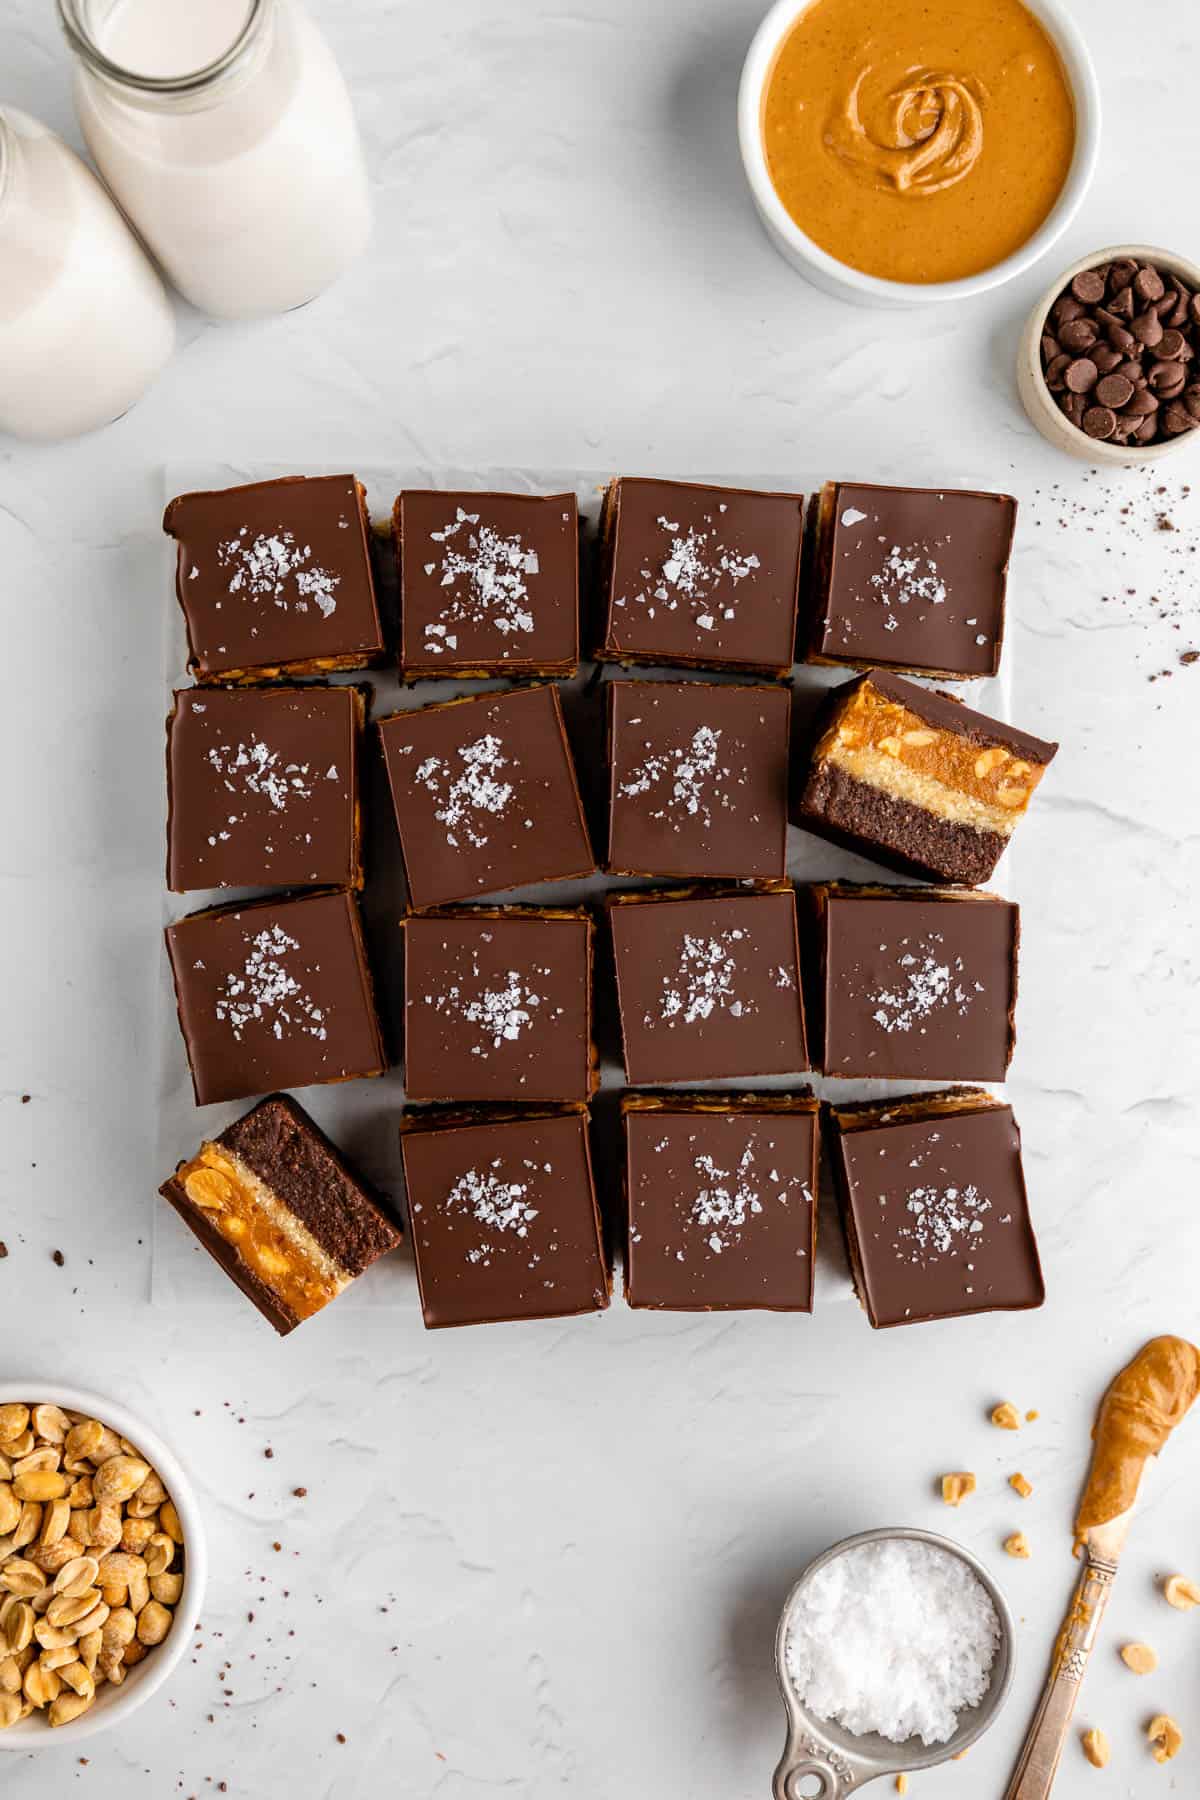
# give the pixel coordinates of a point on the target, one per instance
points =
(918, 781)
(276, 1205)
(721, 1201)
(932, 1195)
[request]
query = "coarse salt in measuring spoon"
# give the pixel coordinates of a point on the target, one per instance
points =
(896, 1637)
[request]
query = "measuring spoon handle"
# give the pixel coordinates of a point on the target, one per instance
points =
(1038, 1763)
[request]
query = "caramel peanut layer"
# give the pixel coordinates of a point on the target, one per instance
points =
(880, 742)
(269, 1240)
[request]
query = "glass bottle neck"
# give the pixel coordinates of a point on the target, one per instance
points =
(81, 21)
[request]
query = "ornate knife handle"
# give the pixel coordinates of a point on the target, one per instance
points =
(1042, 1752)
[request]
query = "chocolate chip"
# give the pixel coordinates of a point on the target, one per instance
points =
(1114, 390)
(1133, 368)
(1170, 347)
(1168, 379)
(1121, 305)
(1055, 373)
(1178, 314)
(1194, 308)
(1122, 340)
(1078, 334)
(1141, 403)
(1105, 358)
(1191, 400)
(1081, 375)
(1148, 283)
(1147, 431)
(1088, 286)
(1147, 328)
(1066, 307)
(1121, 274)
(1049, 348)
(1177, 419)
(1099, 421)
(1074, 405)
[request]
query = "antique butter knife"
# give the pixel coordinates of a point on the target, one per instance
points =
(1145, 1403)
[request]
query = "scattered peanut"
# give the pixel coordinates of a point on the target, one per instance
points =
(956, 1487)
(1179, 1592)
(902, 1784)
(1165, 1737)
(91, 1561)
(1095, 1747)
(1006, 1416)
(1140, 1658)
(1018, 1545)
(1020, 1485)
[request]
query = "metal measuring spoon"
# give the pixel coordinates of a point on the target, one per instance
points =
(821, 1761)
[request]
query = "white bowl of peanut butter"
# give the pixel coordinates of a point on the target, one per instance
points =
(906, 154)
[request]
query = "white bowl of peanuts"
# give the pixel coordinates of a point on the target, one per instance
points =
(102, 1564)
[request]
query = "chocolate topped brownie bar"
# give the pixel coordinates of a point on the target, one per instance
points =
(262, 787)
(933, 1201)
(910, 578)
(704, 577)
(497, 1004)
(698, 779)
(489, 583)
(913, 983)
(721, 1199)
(274, 578)
(485, 795)
(274, 994)
(276, 1205)
(918, 781)
(503, 1216)
(708, 983)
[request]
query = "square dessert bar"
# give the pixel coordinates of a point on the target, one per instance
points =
(262, 787)
(918, 781)
(721, 1193)
(913, 983)
(277, 1206)
(698, 778)
(485, 795)
(498, 1005)
(489, 583)
(933, 1201)
(912, 578)
(275, 578)
(275, 994)
(708, 983)
(503, 1216)
(706, 577)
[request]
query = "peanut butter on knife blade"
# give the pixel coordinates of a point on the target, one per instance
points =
(1142, 1407)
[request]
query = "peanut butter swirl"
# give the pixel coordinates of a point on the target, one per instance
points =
(914, 138)
(1141, 1409)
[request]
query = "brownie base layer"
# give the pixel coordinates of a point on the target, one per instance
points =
(896, 832)
(293, 1158)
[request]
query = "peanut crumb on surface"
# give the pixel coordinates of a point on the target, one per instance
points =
(1017, 1544)
(1165, 1737)
(1140, 1658)
(1095, 1747)
(1181, 1593)
(957, 1486)
(1020, 1485)
(1006, 1417)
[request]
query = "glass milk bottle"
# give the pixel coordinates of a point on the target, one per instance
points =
(85, 325)
(225, 130)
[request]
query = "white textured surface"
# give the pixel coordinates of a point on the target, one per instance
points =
(550, 1559)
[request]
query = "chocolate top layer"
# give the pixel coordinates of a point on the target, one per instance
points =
(503, 1219)
(488, 581)
(720, 1205)
(708, 985)
(289, 1153)
(917, 985)
(485, 795)
(262, 787)
(949, 714)
(497, 1005)
(700, 574)
(938, 1212)
(698, 779)
(913, 576)
(275, 994)
(276, 573)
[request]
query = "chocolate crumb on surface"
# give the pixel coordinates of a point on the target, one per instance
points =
(57, 1257)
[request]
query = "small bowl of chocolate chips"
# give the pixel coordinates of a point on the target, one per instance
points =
(1108, 367)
